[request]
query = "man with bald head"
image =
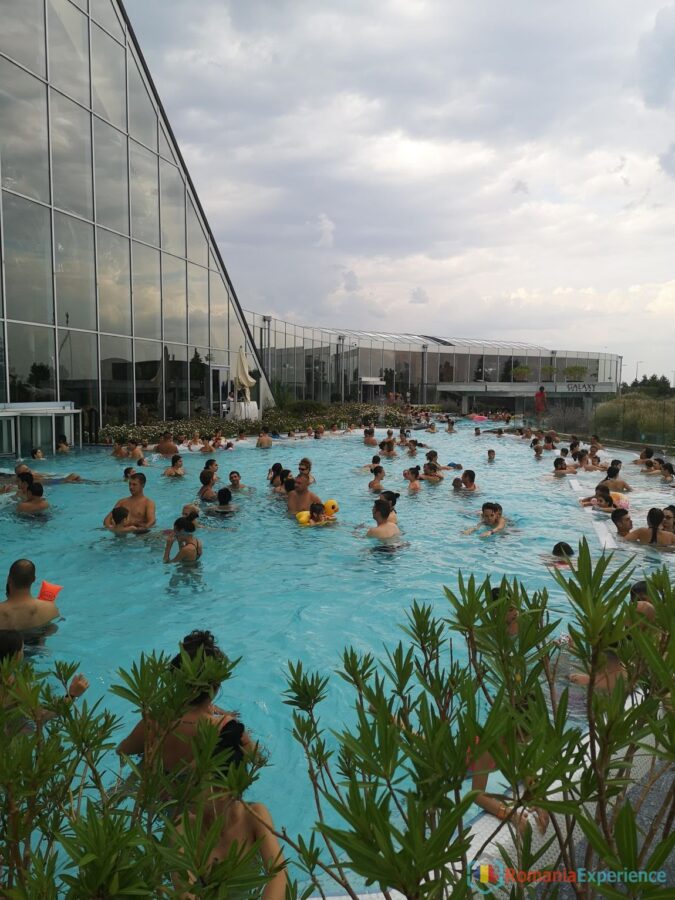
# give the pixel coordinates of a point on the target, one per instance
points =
(21, 611)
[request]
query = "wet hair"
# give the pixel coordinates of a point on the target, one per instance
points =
(534, 442)
(192, 516)
(391, 497)
(378, 470)
(276, 468)
(457, 482)
(616, 463)
(415, 470)
(648, 453)
(648, 463)
(383, 507)
(432, 455)
(562, 549)
(612, 472)
(224, 496)
(36, 489)
(233, 472)
(62, 439)
(191, 645)
(184, 523)
(604, 492)
(654, 520)
(559, 463)
(119, 514)
(307, 463)
(638, 590)
(668, 467)
(618, 514)
(21, 573)
(11, 643)
(470, 475)
(265, 429)
(375, 460)
(140, 477)
(26, 478)
(573, 445)
(541, 387)
(315, 509)
(209, 463)
(490, 451)
(670, 507)
(491, 507)
(289, 485)
(206, 477)
(176, 458)
(34, 452)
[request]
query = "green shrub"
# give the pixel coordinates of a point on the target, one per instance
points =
(393, 775)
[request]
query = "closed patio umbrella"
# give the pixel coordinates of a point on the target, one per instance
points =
(242, 378)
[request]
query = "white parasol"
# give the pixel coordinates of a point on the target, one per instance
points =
(242, 377)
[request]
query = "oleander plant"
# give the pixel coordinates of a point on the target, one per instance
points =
(393, 801)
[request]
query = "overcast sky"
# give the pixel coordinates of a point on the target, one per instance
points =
(473, 169)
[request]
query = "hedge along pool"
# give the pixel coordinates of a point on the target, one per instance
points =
(273, 591)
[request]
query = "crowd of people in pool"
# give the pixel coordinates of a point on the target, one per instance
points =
(22, 613)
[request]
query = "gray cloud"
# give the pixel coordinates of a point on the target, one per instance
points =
(419, 296)
(351, 155)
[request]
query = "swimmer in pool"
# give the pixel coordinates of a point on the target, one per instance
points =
(62, 445)
(264, 441)
(212, 466)
(49, 479)
(376, 484)
(35, 502)
(36, 453)
(391, 497)
(224, 505)
(134, 451)
(21, 611)
(562, 556)
(142, 512)
(305, 466)
(235, 481)
(175, 470)
(431, 472)
(412, 476)
(468, 480)
(653, 534)
(375, 461)
(301, 498)
(206, 491)
(602, 499)
(128, 472)
(491, 456)
(560, 469)
(119, 451)
(120, 521)
(624, 524)
(491, 519)
(476, 432)
(613, 482)
(384, 529)
(457, 485)
(189, 546)
(668, 523)
(317, 514)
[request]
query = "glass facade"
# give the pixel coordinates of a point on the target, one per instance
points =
(329, 365)
(112, 292)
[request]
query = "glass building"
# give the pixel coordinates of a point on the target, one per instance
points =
(114, 299)
(113, 294)
(328, 365)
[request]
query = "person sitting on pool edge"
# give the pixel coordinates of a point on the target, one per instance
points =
(384, 529)
(301, 498)
(34, 503)
(22, 611)
(142, 512)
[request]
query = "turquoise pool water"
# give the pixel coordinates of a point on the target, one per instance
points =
(272, 591)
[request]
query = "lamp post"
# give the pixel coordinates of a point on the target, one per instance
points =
(637, 366)
(341, 365)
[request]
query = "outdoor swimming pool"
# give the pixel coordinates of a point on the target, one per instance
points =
(273, 591)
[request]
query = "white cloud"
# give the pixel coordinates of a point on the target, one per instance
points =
(508, 169)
